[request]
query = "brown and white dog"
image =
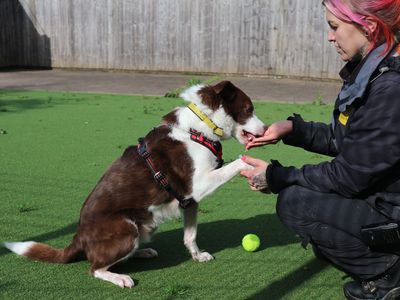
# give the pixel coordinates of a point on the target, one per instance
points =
(177, 160)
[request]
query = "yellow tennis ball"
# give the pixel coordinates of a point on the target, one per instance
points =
(250, 242)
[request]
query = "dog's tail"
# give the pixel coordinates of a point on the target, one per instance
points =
(43, 252)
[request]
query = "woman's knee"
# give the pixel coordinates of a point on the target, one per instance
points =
(284, 201)
(289, 203)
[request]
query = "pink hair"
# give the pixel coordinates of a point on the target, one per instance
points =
(386, 13)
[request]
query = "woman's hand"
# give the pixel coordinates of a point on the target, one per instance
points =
(274, 133)
(256, 177)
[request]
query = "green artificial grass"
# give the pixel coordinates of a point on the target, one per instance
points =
(53, 149)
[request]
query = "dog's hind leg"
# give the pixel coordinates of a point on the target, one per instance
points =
(190, 234)
(109, 243)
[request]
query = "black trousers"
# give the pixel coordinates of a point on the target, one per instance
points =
(332, 224)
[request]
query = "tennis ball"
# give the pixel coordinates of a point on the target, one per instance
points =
(250, 242)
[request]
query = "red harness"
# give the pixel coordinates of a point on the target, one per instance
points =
(160, 178)
(213, 146)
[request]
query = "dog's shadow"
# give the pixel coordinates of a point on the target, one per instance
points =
(213, 237)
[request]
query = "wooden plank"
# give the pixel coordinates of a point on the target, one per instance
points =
(252, 37)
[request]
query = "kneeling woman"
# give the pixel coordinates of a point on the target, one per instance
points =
(327, 204)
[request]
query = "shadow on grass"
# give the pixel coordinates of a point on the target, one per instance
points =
(213, 237)
(4, 284)
(18, 105)
(15, 101)
(279, 288)
(71, 228)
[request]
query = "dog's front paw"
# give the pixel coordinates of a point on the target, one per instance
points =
(202, 256)
(243, 166)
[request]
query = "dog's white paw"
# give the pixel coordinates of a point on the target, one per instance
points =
(243, 166)
(202, 256)
(145, 253)
(123, 281)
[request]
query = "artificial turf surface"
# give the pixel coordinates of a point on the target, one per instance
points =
(53, 149)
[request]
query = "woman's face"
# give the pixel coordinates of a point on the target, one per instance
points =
(350, 40)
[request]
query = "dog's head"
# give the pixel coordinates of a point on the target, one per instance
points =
(229, 108)
(239, 107)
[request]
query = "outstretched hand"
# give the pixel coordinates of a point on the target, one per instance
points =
(274, 133)
(256, 177)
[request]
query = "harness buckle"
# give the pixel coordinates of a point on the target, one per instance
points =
(145, 154)
(160, 178)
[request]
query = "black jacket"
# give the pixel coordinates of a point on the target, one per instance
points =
(364, 138)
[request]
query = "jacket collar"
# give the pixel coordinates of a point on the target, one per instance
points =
(357, 81)
(350, 71)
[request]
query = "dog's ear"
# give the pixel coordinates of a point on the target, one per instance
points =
(209, 97)
(226, 90)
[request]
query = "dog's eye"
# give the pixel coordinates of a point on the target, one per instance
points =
(250, 110)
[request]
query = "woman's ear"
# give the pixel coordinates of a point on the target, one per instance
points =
(371, 26)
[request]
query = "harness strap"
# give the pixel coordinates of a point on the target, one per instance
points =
(159, 176)
(214, 146)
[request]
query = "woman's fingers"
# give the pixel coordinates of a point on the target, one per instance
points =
(255, 162)
(254, 144)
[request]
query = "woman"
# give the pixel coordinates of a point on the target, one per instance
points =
(327, 204)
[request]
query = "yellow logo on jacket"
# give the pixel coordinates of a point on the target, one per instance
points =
(344, 116)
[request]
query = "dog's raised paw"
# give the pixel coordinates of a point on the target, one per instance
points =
(202, 257)
(243, 166)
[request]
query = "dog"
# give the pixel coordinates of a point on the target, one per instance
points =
(170, 171)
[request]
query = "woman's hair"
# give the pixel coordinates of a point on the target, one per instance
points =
(386, 13)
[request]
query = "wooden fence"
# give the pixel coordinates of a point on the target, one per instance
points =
(253, 37)
(7, 34)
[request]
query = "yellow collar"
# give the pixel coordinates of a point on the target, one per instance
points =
(217, 130)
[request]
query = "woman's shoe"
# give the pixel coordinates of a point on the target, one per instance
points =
(367, 290)
(386, 287)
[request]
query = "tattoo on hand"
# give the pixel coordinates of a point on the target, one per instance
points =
(260, 182)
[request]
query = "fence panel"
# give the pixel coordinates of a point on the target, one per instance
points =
(253, 37)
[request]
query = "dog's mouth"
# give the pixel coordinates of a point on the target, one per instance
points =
(248, 136)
